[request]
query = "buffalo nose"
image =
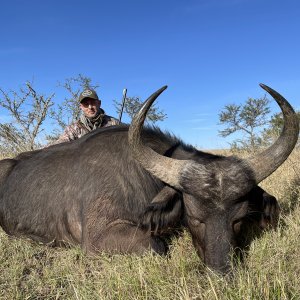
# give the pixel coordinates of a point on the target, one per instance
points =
(222, 270)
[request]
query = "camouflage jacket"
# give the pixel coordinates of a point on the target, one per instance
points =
(78, 129)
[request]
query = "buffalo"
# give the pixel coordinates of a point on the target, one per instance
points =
(129, 189)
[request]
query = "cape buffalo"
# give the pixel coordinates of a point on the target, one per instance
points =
(128, 190)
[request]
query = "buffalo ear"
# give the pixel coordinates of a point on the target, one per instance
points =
(270, 212)
(163, 212)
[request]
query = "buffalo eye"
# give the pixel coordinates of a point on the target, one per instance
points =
(237, 226)
(194, 222)
(197, 227)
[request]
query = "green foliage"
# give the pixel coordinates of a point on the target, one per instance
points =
(132, 106)
(247, 118)
(270, 134)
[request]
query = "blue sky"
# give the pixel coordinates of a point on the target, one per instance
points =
(210, 53)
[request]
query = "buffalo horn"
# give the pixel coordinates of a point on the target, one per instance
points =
(265, 163)
(165, 168)
(169, 170)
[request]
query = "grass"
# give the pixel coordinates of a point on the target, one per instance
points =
(271, 270)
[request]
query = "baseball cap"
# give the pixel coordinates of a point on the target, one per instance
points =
(88, 93)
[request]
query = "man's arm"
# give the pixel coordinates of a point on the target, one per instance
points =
(110, 121)
(71, 132)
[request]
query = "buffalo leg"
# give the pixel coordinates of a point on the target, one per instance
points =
(124, 237)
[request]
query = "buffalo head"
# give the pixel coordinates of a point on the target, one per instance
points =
(217, 197)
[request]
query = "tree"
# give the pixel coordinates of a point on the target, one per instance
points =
(132, 106)
(248, 119)
(274, 129)
(27, 110)
(68, 111)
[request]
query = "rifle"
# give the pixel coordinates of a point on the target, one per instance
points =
(123, 104)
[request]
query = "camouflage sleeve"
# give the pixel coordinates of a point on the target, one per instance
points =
(110, 121)
(114, 121)
(70, 133)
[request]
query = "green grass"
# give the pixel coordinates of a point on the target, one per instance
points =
(270, 271)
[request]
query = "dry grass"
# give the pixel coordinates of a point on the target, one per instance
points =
(271, 270)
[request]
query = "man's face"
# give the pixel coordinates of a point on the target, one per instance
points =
(90, 107)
